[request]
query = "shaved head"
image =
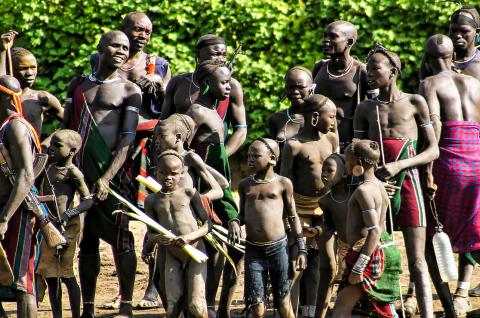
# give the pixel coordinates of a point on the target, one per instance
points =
(108, 36)
(269, 144)
(439, 45)
(131, 17)
(345, 27)
(11, 83)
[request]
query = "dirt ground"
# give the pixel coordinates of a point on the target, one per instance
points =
(107, 285)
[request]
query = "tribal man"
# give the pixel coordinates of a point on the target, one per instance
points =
(104, 109)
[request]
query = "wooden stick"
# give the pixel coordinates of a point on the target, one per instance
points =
(390, 214)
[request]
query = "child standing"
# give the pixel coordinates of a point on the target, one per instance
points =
(179, 209)
(63, 179)
(263, 198)
(372, 262)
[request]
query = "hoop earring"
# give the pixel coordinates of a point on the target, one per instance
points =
(314, 124)
(358, 170)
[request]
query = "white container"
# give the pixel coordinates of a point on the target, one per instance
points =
(444, 255)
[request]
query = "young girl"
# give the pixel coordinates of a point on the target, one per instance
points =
(372, 262)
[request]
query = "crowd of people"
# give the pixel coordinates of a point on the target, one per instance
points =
(352, 159)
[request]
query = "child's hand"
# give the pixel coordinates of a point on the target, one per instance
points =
(301, 262)
(163, 240)
(181, 241)
(234, 232)
(355, 278)
(390, 189)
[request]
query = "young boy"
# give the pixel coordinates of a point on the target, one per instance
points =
(263, 198)
(403, 118)
(373, 262)
(35, 103)
(302, 160)
(63, 179)
(179, 209)
(175, 133)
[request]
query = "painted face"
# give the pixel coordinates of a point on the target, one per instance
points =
(25, 70)
(138, 31)
(326, 118)
(219, 83)
(58, 149)
(216, 53)
(169, 172)
(115, 50)
(165, 138)
(258, 156)
(334, 40)
(297, 87)
(379, 71)
(462, 35)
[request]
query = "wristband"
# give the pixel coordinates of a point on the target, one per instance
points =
(361, 264)
(302, 247)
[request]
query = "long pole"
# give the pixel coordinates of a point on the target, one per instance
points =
(390, 214)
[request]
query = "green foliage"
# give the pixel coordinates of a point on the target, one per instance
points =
(275, 34)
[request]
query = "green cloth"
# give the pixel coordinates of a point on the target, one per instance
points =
(216, 157)
(387, 287)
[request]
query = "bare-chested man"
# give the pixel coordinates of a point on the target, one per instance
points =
(341, 78)
(454, 105)
(302, 160)
(104, 110)
(18, 226)
(179, 209)
(35, 103)
(287, 123)
(183, 90)
(465, 32)
(208, 142)
(403, 119)
(373, 267)
(264, 196)
(151, 73)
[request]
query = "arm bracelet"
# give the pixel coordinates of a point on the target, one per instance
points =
(302, 247)
(234, 220)
(361, 264)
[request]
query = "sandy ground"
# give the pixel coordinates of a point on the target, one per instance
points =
(107, 285)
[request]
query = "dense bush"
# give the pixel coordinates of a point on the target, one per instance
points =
(275, 35)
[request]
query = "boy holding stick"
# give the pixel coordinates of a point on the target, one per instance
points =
(179, 209)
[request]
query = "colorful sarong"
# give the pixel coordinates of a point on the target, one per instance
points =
(215, 155)
(380, 283)
(457, 175)
(138, 162)
(94, 159)
(407, 204)
(20, 245)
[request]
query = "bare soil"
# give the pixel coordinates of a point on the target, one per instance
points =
(107, 285)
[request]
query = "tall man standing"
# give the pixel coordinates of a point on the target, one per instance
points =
(401, 119)
(152, 74)
(103, 107)
(341, 78)
(182, 91)
(453, 98)
(18, 226)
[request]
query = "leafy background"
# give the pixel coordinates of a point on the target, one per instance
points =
(276, 35)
